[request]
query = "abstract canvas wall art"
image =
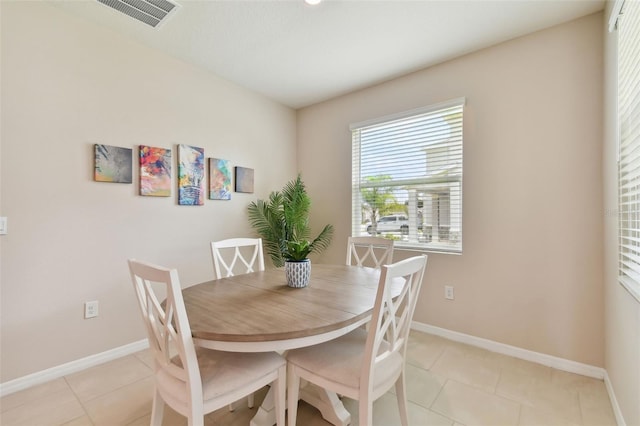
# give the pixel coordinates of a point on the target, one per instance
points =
(112, 164)
(155, 171)
(191, 179)
(244, 180)
(219, 179)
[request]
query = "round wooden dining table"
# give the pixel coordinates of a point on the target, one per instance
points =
(258, 312)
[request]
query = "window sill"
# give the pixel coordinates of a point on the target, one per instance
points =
(400, 245)
(631, 286)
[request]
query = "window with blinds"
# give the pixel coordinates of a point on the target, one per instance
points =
(407, 177)
(629, 145)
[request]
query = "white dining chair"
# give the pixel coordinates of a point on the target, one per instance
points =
(196, 381)
(369, 251)
(233, 256)
(237, 255)
(364, 365)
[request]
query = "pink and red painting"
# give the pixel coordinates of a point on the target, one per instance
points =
(155, 171)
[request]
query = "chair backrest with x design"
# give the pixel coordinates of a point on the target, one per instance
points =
(369, 251)
(179, 383)
(237, 255)
(195, 382)
(391, 320)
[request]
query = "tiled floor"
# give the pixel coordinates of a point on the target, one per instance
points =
(448, 384)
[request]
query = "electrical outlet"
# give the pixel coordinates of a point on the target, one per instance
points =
(448, 292)
(91, 309)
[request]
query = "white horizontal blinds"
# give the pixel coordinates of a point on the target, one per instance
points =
(629, 155)
(410, 165)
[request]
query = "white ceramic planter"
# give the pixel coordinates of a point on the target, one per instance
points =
(297, 273)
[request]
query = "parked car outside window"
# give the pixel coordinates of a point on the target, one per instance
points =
(391, 223)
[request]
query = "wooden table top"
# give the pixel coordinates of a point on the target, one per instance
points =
(260, 307)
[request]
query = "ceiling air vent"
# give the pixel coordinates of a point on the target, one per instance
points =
(151, 12)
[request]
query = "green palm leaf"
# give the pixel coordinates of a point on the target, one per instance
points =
(283, 224)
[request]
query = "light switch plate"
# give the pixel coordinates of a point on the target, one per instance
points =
(3, 225)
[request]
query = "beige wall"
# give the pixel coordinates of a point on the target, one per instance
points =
(65, 86)
(622, 311)
(531, 271)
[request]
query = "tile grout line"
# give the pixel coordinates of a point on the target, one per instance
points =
(78, 399)
(436, 398)
(82, 404)
(580, 405)
(519, 414)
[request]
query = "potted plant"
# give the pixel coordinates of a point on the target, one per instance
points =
(297, 266)
(282, 222)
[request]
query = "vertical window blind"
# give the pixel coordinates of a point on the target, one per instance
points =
(629, 145)
(407, 177)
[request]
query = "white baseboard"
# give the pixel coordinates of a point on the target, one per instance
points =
(614, 402)
(70, 367)
(537, 357)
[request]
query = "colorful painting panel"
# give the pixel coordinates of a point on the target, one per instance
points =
(112, 164)
(155, 171)
(219, 179)
(191, 181)
(244, 180)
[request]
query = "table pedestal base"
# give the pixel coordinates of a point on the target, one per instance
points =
(328, 403)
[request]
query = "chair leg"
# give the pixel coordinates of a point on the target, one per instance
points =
(293, 389)
(365, 411)
(401, 394)
(197, 421)
(250, 403)
(157, 409)
(279, 389)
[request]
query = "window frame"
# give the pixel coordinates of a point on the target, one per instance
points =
(357, 227)
(628, 138)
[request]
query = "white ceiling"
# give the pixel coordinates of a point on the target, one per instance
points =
(299, 55)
